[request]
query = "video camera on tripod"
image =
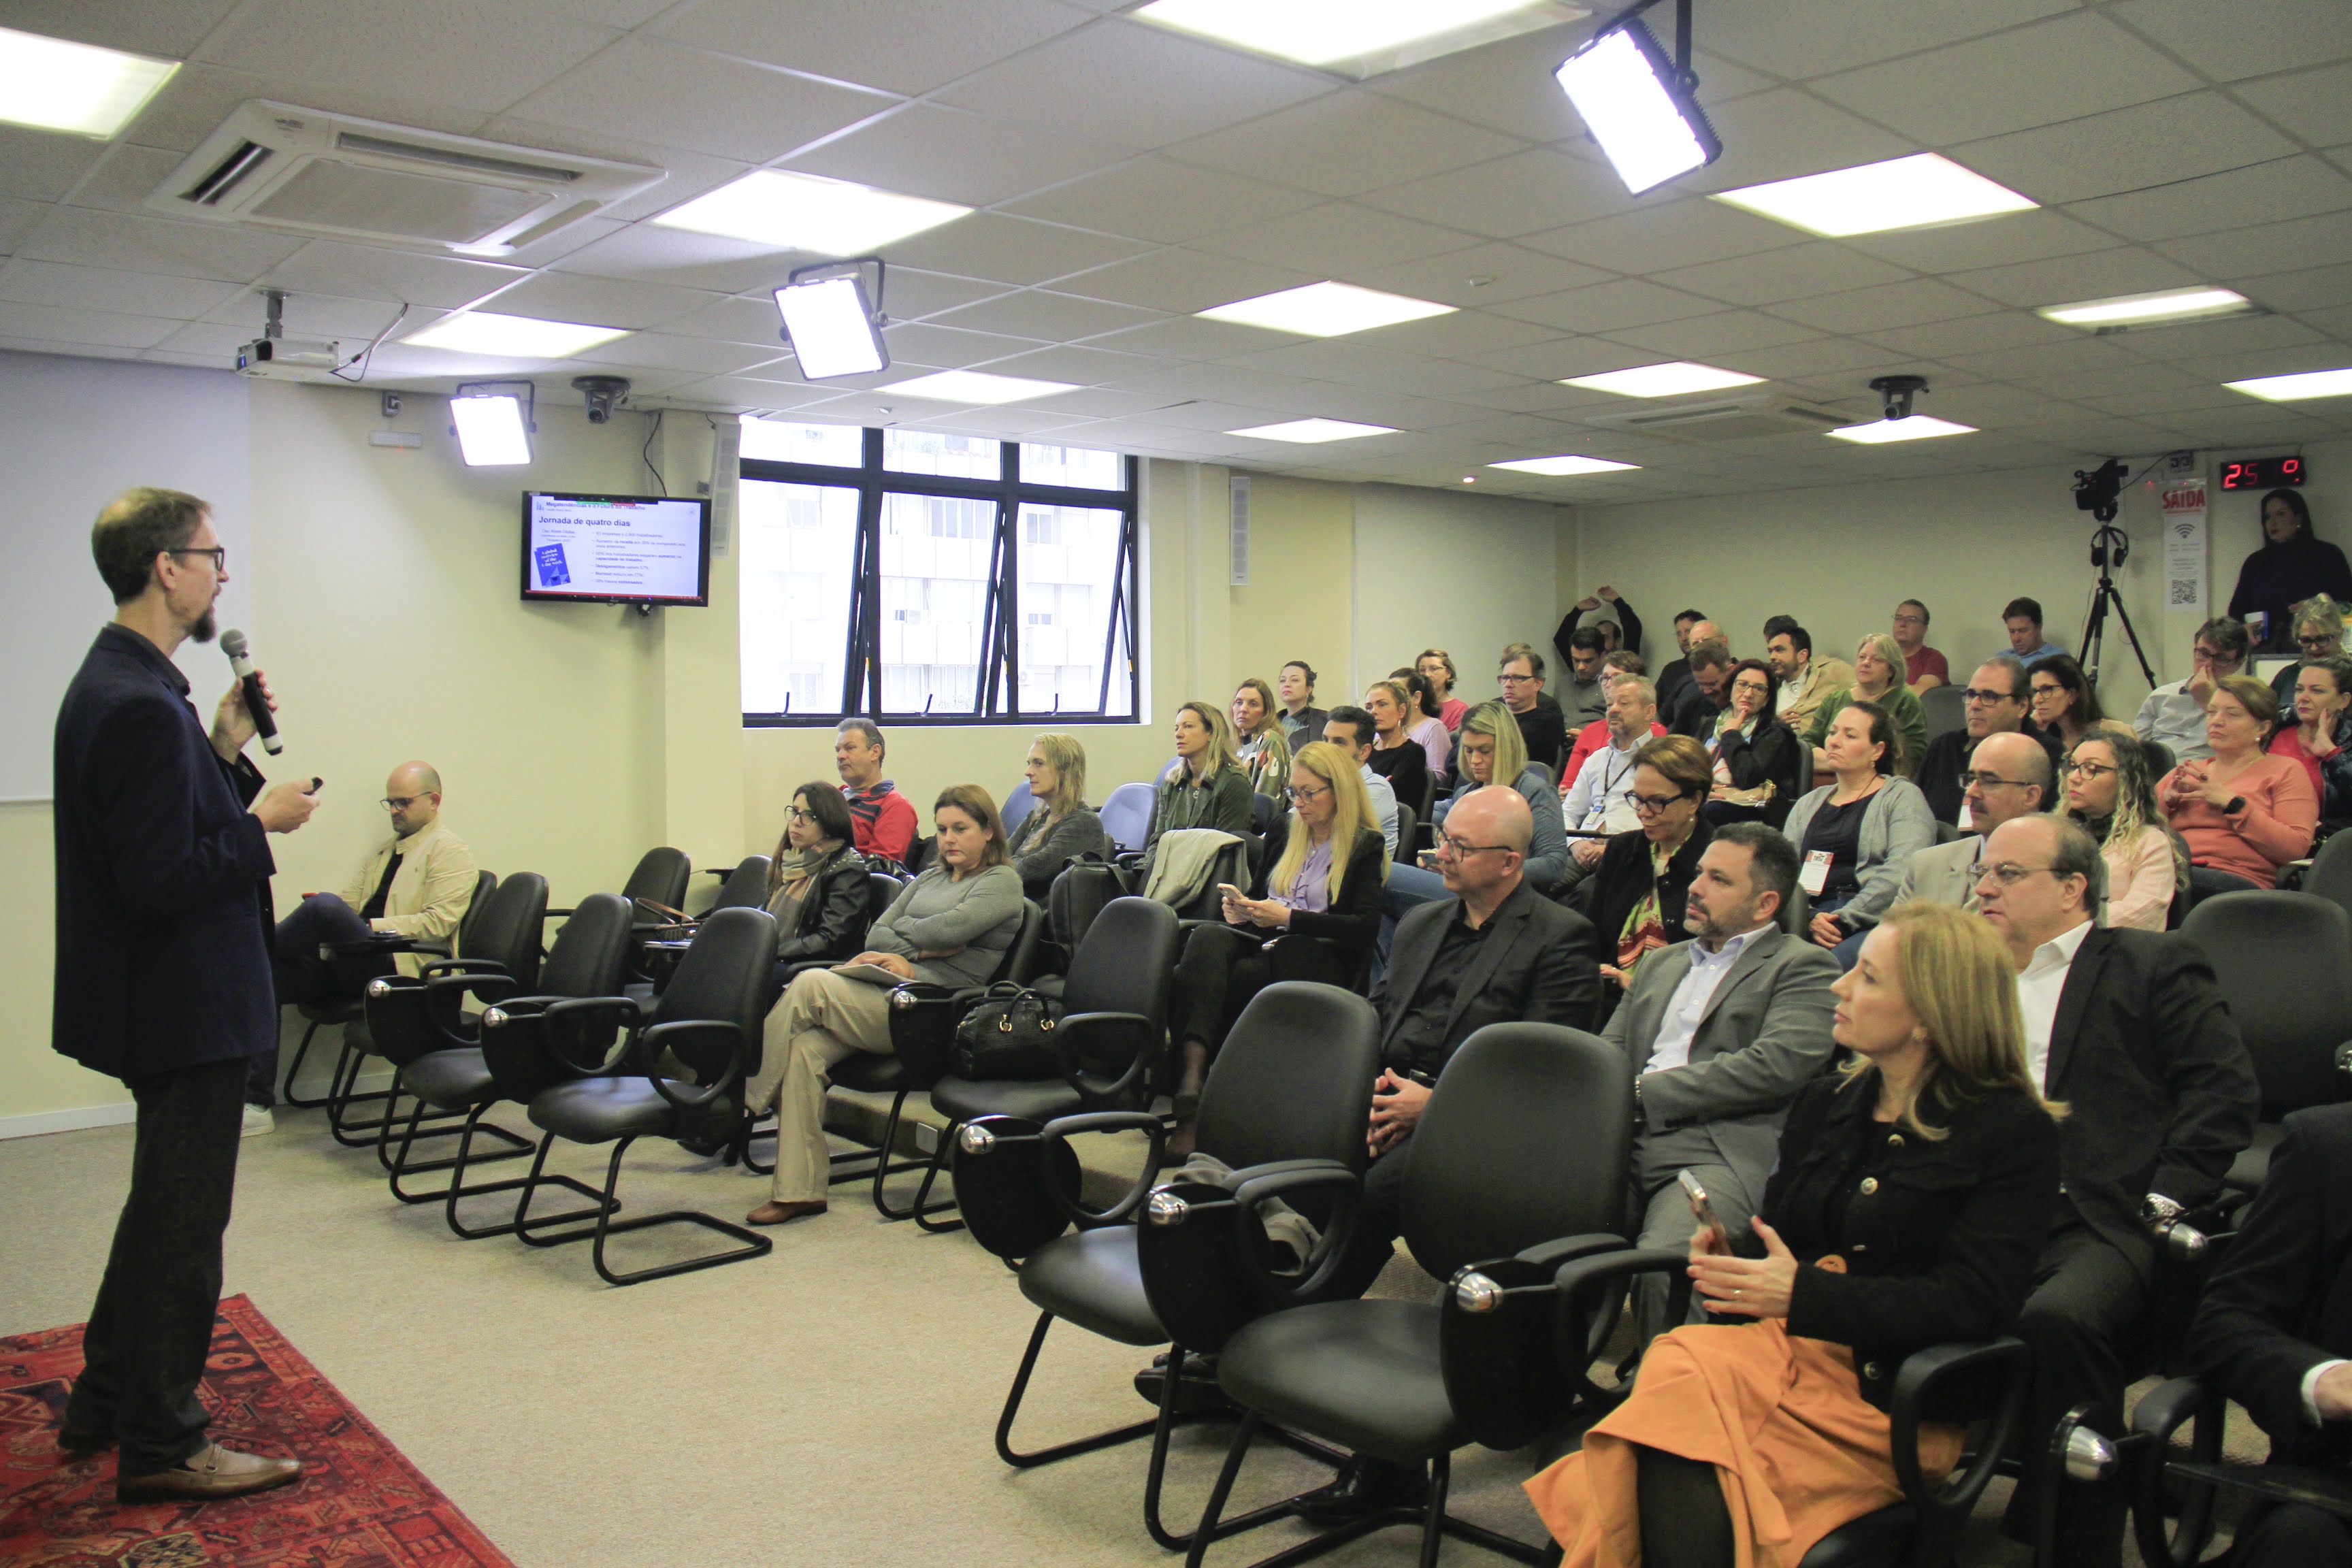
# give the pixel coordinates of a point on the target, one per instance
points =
(2100, 493)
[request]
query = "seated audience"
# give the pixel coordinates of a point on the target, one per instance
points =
(1301, 721)
(1803, 682)
(1349, 728)
(2111, 791)
(2243, 812)
(1675, 676)
(1581, 699)
(2063, 703)
(1707, 693)
(1061, 827)
(1634, 895)
(2321, 732)
(2008, 777)
(1595, 735)
(1857, 832)
(1910, 1194)
(1601, 800)
(1924, 668)
(1421, 721)
(2318, 634)
(1542, 728)
(2173, 716)
(1207, 788)
(2293, 565)
(2273, 1332)
(1628, 624)
(2021, 618)
(1491, 752)
(1261, 740)
(2128, 1029)
(1754, 753)
(1995, 701)
(1436, 667)
(950, 926)
(1310, 914)
(1878, 678)
(1720, 1033)
(817, 887)
(884, 819)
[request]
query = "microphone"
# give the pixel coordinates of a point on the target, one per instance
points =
(240, 661)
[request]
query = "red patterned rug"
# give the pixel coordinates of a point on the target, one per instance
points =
(360, 1503)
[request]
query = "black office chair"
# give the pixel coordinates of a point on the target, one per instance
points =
(1949, 832)
(1805, 780)
(1294, 1082)
(661, 876)
(1796, 914)
(709, 1022)
(1525, 1141)
(1262, 808)
(745, 887)
(504, 1063)
(2284, 964)
(2330, 875)
(1944, 710)
(1407, 826)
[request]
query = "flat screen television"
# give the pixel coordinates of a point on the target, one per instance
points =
(615, 550)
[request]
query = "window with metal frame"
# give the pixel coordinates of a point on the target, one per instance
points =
(922, 577)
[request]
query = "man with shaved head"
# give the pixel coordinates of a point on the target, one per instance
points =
(417, 884)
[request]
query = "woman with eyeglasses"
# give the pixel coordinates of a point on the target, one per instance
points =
(1856, 833)
(1207, 788)
(1311, 913)
(2318, 634)
(2320, 735)
(2293, 566)
(2063, 703)
(1753, 753)
(2243, 812)
(1635, 896)
(1260, 740)
(1436, 667)
(816, 885)
(2111, 791)
(1061, 827)
(1878, 669)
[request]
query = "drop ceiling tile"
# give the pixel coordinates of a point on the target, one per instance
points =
(899, 45)
(642, 253)
(42, 167)
(1079, 366)
(1461, 334)
(1780, 134)
(197, 100)
(481, 57)
(909, 295)
(354, 322)
(17, 220)
(743, 320)
(1346, 142)
(1481, 277)
(2312, 289)
(1161, 200)
(1042, 315)
(1183, 281)
(172, 31)
(663, 351)
(2168, 403)
(1804, 38)
(2062, 68)
(1557, 360)
(1795, 272)
(1831, 362)
(2199, 339)
(121, 180)
(1190, 338)
(2325, 355)
(1907, 304)
(1971, 334)
(1681, 234)
(2064, 279)
(1006, 249)
(1131, 83)
(645, 382)
(1713, 338)
(745, 393)
(2127, 149)
(2335, 321)
(602, 301)
(1336, 236)
(1523, 194)
(1091, 401)
(1366, 366)
(554, 248)
(2316, 105)
(2251, 251)
(611, 13)
(1625, 302)
(107, 288)
(947, 347)
(948, 156)
(2226, 203)
(86, 236)
(1505, 87)
(325, 267)
(2246, 37)
(1984, 242)
(676, 97)
(98, 328)
(2037, 364)
(1227, 383)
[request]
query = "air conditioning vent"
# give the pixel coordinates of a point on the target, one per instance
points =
(1726, 419)
(304, 172)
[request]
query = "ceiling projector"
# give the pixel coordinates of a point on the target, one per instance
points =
(288, 359)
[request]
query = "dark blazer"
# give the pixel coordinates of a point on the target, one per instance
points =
(162, 875)
(1694, 714)
(1770, 757)
(833, 917)
(1622, 878)
(2281, 1302)
(2164, 1098)
(1354, 918)
(1539, 963)
(1940, 1237)
(1406, 768)
(1946, 757)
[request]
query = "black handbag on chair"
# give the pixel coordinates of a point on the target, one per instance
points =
(1008, 1035)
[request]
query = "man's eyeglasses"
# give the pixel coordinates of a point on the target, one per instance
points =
(1449, 845)
(400, 802)
(1980, 694)
(219, 552)
(1514, 679)
(1650, 805)
(1989, 780)
(2009, 873)
(1909, 621)
(2088, 770)
(1299, 795)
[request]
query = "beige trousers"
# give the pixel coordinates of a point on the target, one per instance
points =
(821, 1019)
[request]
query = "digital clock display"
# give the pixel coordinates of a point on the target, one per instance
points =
(2261, 473)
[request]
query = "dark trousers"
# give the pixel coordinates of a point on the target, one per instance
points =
(151, 1326)
(2205, 881)
(302, 976)
(1222, 968)
(2291, 1535)
(2078, 1322)
(1380, 1219)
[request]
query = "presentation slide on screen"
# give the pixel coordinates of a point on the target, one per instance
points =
(614, 547)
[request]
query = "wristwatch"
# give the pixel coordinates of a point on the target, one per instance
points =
(2157, 1211)
(2235, 804)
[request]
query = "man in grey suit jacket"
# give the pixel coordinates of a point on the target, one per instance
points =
(1720, 1033)
(2008, 777)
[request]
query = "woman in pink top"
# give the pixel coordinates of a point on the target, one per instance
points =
(1436, 667)
(2244, 813)
(2111, 791)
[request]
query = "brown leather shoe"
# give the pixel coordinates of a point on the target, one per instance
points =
(212, 1472)
(775, 1213)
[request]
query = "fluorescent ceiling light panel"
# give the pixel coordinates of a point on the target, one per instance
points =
(1916, 428)
(2290, 388)
(1310, 431)
(52, 85)
(806, 212)
(830, 324)
(511, 337)
(1625, 89)
(978, 387)
(1916, 192)
(1326, 310)
(1556, 467)
(1362, 37)
(1670, 380)
(2136, 309)
(490, 431)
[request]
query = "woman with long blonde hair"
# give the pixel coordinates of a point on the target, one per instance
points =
(1208, 787)
(1259, 738)
(1061, 827)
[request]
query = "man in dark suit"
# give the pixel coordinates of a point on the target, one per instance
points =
(2129, 1030)
(1497, 952)
(1998, 703)
(163, 981)
(2274, 1331)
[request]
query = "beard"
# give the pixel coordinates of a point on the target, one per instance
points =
(207, 627)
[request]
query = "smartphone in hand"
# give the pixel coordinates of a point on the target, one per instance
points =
(1703, 1210)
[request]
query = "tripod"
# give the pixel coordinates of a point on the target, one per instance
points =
(2109, 542)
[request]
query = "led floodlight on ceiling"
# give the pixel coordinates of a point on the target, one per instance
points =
(493, 427)
(1638, 104)
(51, 84)
(833, 326)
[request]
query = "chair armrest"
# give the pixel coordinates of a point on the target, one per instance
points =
(1553, 1254)
(557, 914)
(1944, 1508)
(1254, 1186)
(621, 1010)
(1074, 1031)
(382, 944)
(2171, 1405)
(651, 1041)
(485, 983)
(1064, 1127)
(1102, 1121)
(1575, 1281)
(461, 966)
(2180, 1504)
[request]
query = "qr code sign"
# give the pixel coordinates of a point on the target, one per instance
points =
(2183, 592)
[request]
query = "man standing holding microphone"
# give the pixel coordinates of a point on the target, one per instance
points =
(163, 981)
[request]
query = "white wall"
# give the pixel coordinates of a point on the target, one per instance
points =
(1471, 574)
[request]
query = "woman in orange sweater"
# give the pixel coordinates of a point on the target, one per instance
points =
(2243, 813)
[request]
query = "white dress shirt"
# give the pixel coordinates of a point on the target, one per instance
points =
(1601, 798)
(2038, 990)
(1687, 1005)
(2311, 1390)
(2174, 719)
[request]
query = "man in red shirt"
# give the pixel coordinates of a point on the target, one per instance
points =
(1923, 666)
(881, 819)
